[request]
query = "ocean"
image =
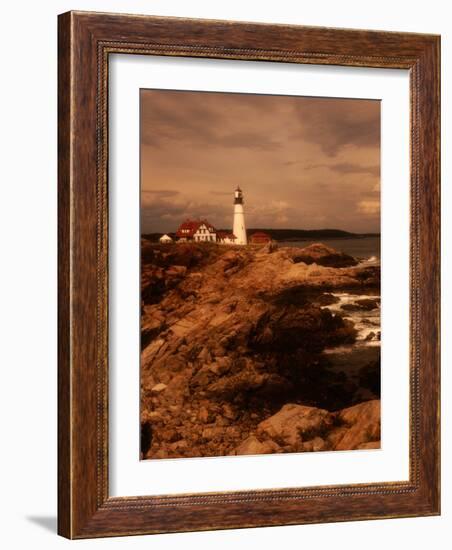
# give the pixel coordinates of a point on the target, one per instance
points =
(367, 346)
(365, 248)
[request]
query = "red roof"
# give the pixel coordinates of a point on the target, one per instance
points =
(189, 227)
(260, 236)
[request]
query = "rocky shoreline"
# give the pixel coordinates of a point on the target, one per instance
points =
(250, 350)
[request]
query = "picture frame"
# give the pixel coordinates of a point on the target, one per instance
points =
(85, 507)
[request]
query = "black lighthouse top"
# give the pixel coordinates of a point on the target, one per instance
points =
(238, 196)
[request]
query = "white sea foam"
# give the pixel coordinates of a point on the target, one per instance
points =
(365, 321)
(371, 261)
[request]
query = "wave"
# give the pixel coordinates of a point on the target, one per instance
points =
(370, 261)
(367, 323)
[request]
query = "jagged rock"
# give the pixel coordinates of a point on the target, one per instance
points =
(152, 351)
(158, 388)
(252, 446)
(178, 445)
(234, 337)
(205, 415)
(232, 262)
(349, 307)
(314, 445)
(229, 387)
(336, 435)
(326, 299)
(322, 255)
(310, 328)
(363, 422)
(369, 276)
(176, 271)
(294, 424)
(221, 366)
(367, 303)
(212, 432)
(152, 323)
(169, 434)
(270, 247)
(370, 445)
(229, 412)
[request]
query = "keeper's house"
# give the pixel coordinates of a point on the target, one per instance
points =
(196, 230)
(203, 231)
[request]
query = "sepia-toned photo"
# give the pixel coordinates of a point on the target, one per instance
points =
(260, 274)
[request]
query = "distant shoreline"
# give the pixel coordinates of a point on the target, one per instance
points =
(288, 235)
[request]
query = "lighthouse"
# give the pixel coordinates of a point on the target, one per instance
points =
(239, 218)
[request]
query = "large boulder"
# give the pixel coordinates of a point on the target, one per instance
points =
(321, 254)
(364, 304)
(363, 425)
(295, 424)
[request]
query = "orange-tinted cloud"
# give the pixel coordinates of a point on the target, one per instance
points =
(301, 162)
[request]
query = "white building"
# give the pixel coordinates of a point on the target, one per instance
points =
(225, 238)
(164, 239)
(239, 229)
(196, 230)
(205, 232)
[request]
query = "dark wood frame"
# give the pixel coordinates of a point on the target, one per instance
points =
(85, 42)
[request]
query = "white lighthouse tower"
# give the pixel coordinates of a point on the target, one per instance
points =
(239, 218)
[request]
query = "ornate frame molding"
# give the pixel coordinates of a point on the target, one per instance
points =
(85, 42)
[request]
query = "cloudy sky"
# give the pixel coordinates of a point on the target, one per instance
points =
(302, 162)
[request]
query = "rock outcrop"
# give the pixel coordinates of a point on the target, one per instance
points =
(323, 255)
(294, 425)
(361, 426)
(233, 342)
(296, 428)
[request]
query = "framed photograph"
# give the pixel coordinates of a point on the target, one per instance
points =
(248, 275)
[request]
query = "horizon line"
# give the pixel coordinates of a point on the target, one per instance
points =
(283, 229)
